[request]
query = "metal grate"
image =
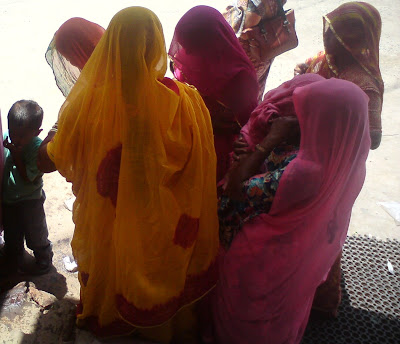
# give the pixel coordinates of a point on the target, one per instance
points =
(370, 308)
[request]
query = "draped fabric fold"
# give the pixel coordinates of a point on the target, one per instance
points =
(142, 163)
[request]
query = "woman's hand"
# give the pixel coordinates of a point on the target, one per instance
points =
(240, 148)
(49, 137)
(283, 129)
(301, 68)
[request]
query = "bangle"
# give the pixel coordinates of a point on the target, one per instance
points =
(260, 148)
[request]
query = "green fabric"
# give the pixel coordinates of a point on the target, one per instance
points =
(15, 188)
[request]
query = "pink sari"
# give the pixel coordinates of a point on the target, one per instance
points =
(269, 275)
(206, 54)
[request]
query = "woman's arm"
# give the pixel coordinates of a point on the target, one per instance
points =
(374, 114)
(51, 133)
(282, 129)
(44, 163)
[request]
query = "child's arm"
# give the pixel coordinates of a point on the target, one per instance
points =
(16, 154)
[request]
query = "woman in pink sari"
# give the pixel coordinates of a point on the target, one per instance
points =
(206, 54)
(272, 265)
(351, 38)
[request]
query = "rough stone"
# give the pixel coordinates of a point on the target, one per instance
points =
(29, 315)
(42, 298)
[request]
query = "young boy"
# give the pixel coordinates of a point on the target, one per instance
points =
(23, 195)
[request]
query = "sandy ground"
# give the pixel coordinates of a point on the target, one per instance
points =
(26, 28)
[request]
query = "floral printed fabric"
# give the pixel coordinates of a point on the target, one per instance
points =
(259, 192)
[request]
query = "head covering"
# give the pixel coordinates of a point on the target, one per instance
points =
(357, 26)
(70, 49)
(277, 102)
(207, 54)
(146, 232)
(269, 275)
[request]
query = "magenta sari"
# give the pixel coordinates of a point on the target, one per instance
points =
(269, 275)
(206, 54)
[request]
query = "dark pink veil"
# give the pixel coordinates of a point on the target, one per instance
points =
(207, 54)
(269, 275)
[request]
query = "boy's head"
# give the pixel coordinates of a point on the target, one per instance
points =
(24, 121)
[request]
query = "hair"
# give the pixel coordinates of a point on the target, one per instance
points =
(26, 113)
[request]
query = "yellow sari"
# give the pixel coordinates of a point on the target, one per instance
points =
(142, 163)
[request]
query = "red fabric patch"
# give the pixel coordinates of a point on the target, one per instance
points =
(170, 84)
(195, 287)
(108, 174)
(186, 231)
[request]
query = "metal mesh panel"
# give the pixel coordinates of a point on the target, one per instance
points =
(370, 308)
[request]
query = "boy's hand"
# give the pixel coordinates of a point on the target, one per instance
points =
(7, 144)
(16, 153)
(13, 149)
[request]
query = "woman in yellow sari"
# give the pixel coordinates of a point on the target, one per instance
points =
(138, 149)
